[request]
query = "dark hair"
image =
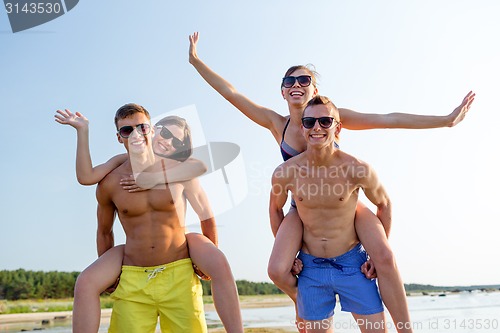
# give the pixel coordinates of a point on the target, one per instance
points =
(308, 68)
(129, 109)
(184, 153)
(323, 100)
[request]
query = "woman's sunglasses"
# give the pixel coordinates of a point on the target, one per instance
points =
(166, 134)
(142, 129)
(324, 122)
(303, 80)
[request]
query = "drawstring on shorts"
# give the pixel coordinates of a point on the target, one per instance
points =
(154, 272)
(328, 261)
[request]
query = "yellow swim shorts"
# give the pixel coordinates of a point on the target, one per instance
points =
(172, 291)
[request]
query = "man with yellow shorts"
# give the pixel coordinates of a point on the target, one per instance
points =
(157, 278)
(173, 291)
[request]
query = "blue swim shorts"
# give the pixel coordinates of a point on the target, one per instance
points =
(322, 279)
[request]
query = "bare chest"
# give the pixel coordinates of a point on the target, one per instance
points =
(324, 187)
(167, 199)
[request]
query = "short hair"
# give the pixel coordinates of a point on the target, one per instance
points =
(323, 100)
(184, 153)
(129, 109)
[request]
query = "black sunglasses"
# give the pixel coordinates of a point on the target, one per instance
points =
(166, 134)
(324, 122)
(303, 80)
(142, 129)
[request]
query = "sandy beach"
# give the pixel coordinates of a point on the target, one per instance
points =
(247, 302)
(430, 314)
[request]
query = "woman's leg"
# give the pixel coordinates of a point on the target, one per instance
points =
(372, 235)
(95, 279)
(374, 323)
(211, 261)
(318, 326)
(286, 245)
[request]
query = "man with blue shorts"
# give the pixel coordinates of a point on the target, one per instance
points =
(325, 184)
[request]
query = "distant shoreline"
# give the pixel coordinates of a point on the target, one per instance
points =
(12, 321)
(246, 302)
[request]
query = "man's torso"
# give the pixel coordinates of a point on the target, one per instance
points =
(326, 197)
(153, 220)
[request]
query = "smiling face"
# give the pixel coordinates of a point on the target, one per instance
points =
(136, 143)
(318, 136)
(173, 139)
(166, 147)
(298, 95)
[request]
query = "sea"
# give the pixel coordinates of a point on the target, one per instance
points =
(465, 312)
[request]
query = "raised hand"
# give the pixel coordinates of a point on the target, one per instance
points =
(76, 120)
(193, 40)
(460, 111)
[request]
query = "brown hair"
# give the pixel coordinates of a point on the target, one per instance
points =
(323, 100)
(184, 153)
(129, 109)
(309, 68)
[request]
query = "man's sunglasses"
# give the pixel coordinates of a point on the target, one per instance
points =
(324, 122)
(303, 80)
(166, 134)
(142, 129)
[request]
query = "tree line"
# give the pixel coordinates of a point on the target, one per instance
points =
(247, 288)
(23, 284)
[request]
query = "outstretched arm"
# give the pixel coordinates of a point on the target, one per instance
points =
(258, 114)
(359, 121)
(85, 173)
(198, 199)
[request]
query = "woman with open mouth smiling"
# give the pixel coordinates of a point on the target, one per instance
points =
(298, 86)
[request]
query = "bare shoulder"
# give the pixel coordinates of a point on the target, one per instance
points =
(348, 158)
(353, 166)
(278, 123)
(289, 169)
(112, 179)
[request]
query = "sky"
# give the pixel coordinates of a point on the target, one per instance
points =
(373, 56)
